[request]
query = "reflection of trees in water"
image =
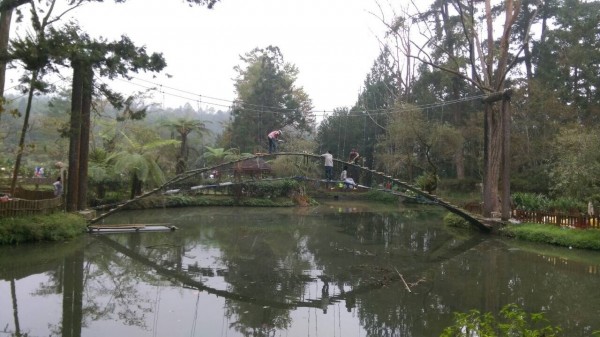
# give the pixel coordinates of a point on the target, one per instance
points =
(485, 278)
(256, 321)
(350, 251)
(373, 249)
(112, 285)
(264, 262)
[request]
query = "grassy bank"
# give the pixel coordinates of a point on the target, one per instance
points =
(541, 233)
(53, 227)
(566, 237)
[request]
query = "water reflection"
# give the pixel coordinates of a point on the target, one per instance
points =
(333, 270)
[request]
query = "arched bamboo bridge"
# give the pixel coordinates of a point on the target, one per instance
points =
(471, 218)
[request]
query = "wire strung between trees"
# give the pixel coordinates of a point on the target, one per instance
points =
(259, 109)
(256, 108)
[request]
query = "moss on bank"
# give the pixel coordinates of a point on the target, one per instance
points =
(560, 236)
(53, 227)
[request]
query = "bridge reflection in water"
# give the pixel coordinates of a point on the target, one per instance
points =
(339, 269)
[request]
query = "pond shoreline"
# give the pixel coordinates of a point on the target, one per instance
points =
(61, 226)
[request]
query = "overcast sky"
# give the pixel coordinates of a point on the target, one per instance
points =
(332, 42)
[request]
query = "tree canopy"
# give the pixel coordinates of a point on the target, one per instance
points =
(267, 99)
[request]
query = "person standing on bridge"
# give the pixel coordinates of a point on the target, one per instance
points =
(273, 137)
(328, 165)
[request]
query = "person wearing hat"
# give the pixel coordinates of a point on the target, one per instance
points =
(273, 139)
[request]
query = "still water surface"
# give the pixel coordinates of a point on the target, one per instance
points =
(339, 269)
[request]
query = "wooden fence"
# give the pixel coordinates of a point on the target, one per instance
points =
(20, 207)
(550, 218)
(574, 221)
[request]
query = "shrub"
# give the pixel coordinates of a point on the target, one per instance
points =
(427, 182)
(539, 202)
(530, 201)
(567, 204)
(456, 221)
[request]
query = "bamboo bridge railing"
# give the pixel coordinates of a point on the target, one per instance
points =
(472, 219)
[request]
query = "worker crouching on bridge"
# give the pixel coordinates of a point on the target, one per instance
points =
(348, 182)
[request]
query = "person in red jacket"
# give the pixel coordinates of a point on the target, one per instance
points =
(273, 139)
(353, 156)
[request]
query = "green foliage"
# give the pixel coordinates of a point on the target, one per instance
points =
(456, 221)
(427, 182)
(560, 236)
(530, 201)
(138, 159)
(577, 168)
(54, 227)
(567, 204)
(355, 128)
(109, 198)
(291, 166)
(539, 202)
(512, 322)
(184, 126)
(531, 181)
(215, 156)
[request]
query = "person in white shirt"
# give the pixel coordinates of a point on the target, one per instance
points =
(328, 165)
(58, 187)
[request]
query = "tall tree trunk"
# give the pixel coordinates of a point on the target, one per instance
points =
(6, 9)
(84, 147)
(73, 294)
(20, 148)
(506, 122)
(182, 158)
(13, 293)
(5, 21)
(459, 155)
(136, 186)
(459, 158)
(487, 177)
(72, 198)
(493, 162)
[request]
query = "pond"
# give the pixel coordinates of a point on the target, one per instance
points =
(339, 269)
